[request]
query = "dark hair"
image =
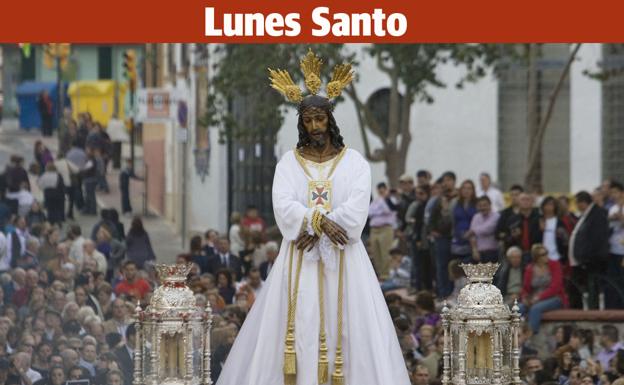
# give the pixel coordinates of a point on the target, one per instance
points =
(382, 185)
(424, 300)
(550, 199)
(448, 174)
(396, 251)
(423, 174)
(130, 331)
(516, 187)
(472, 200)
(228, 275)
(71, 327)
(128, 263)
(611, 332)
(136, 228)
(617, 185)
(484, 198)
(583, 196)
(320, 102)
(196, 243)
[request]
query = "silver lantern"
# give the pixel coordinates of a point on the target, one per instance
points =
(173, 334)
(481, 333)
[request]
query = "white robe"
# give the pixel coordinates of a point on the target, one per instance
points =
(371, 351)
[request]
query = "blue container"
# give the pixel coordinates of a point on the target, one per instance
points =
(28, 98)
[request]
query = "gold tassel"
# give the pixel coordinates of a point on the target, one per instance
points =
(290, 379)
(338, 375)
(290, 355)
(323, 364)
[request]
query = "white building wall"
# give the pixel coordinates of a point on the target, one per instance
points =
(585, 121)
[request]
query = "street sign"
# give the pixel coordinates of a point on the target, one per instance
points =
(158, 104)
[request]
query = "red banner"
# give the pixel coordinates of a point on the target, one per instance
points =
(252, 21)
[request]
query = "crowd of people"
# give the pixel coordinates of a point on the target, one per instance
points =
(67, 294)
(555, 252)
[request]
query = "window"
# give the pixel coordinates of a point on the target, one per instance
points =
(105, 62)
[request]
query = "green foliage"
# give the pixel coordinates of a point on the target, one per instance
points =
(240, 100)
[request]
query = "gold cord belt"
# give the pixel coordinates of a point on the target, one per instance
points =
(290, 355)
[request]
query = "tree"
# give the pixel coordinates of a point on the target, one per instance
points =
(412, 71)
(240, 73)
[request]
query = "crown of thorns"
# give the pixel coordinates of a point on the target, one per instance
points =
(311, 67)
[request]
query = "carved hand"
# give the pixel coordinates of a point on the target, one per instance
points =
(334, 231)
(306, 241)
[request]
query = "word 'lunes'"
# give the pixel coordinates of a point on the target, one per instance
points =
(325, 23)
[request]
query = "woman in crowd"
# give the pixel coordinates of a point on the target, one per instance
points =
(462, 212)
(197, 254)
(554, 233)
(51, 239)
(53, 187)
(43, 155)
(138, 244)
(237, 242)
(542, 288)
(36, 215)
(226, 286)
(113, 250)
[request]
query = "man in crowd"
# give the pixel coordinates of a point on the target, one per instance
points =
(132, 286)
(616, 246)
(486, 188)
(272, 250)
(420, 375)
(503, 229)
(382, 222)
(441, 231)
(225, 260)
(524, 227)
(588, 250)
(423, 178)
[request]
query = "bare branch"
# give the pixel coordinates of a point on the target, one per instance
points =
(382, 66)
(367, 114)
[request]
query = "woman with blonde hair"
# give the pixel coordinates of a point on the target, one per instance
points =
(542, 288)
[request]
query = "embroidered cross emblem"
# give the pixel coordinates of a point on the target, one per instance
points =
(320, 195)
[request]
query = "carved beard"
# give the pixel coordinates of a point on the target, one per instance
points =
(320, 143)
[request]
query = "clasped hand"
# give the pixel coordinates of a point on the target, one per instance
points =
(334, 232)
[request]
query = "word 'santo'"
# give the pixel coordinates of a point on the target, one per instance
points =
(325, 23)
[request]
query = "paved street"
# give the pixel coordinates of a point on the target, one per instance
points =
(165, 242)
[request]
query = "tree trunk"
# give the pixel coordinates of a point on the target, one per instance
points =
(395, 166)
(537, 125)
(533, 177)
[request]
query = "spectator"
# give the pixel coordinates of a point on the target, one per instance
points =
(124, 186)
(46, 112)
(237, 244)
(420, 375)
(114, 377)
(225, 260)
(47, 251)
(542, 288)
(400, 271)
(90, 180)
(416, 232)
(382, 222)
(76, 251)
(124, 354)
(24, 199)
(197, 254)
(510, 277)
(56, 377)
(138, 245)
(36, 215)
(588, 250)
(43, 155)
(226, 286)
(486, 188)
(88, 357)
(504, 227)
(132, 286)
(610, 342)
(272, 250)
(482, 232)
(616, 246)
(441, 231)
(252, 222)
(462, 211)
(406, 197)
(210, 237)
(568, 218)
(423, 178)
(92, 257)
(554, 233)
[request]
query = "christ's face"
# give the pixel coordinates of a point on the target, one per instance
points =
(316, 122)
